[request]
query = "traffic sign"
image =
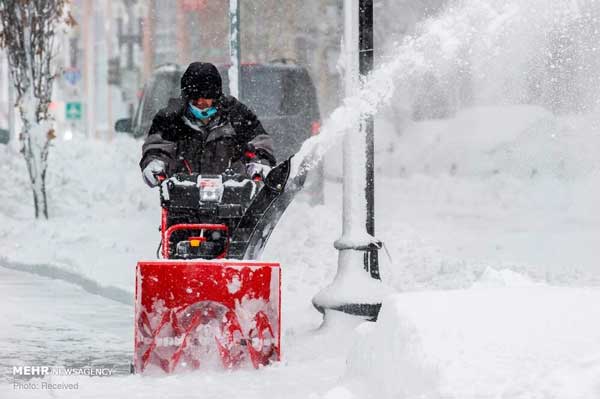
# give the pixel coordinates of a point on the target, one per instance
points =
(73, 110)
(72, 75)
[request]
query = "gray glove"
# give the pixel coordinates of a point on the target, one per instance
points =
(152, 170)
(255, 169)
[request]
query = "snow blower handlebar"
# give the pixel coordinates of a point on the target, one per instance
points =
(160, 177)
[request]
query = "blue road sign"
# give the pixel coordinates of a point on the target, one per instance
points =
(72, 75)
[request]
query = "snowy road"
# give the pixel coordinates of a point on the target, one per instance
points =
(50, 322)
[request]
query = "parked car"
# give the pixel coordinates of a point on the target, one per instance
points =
(282, 95)
(4, 136)
(284, 98)
(162, 85)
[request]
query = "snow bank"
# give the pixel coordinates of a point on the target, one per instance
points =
(492, 278)
(390, 358)
(102, 217)
(507, 186)
(520, 141)
(511, 341)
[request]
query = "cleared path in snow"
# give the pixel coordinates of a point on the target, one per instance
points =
(48, 322)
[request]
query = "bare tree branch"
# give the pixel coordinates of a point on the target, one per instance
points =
(27, 32)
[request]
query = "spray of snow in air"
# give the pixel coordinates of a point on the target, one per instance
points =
(537, 52)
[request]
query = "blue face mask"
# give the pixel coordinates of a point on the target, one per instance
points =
(202, 113)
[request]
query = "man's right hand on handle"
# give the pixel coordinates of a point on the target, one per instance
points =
(153, 171)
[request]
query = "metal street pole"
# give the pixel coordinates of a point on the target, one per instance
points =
(365, 60)
(354, 291)
(88, 67)
(130, 37)
(234, 49)
(147, 46)
(11, 109)
(108, 44)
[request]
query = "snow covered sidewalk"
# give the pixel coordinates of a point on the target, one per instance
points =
(486, 342)
(519, 341)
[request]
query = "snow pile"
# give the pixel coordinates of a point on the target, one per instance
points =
(510, 187)
(525, 142)
(390, 358)
(492, 278)
(516, 342)
(102, 217)
(519, 142)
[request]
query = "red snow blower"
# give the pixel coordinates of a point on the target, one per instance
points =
(208, 302)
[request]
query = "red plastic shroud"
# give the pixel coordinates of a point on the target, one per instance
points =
(158, 281)
(165, 290)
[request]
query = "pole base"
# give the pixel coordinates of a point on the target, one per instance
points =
(368, 311)
(352, 290)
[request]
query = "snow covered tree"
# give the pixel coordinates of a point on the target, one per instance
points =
(27, 33)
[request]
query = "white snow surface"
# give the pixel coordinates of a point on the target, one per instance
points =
(504, 342)
(515, 250)
(490, 218)
(102, 216)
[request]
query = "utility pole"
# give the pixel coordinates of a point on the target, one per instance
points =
(108, 39)
(181, 34)
(11, 108)
(365, 60)
(129, 39)
(235, 83)
(89, 70)
(130, 77)
(355, 291)
(147, 34)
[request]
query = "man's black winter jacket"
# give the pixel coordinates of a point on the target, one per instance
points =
(186, 145)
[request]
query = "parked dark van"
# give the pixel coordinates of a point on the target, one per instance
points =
(284, 98)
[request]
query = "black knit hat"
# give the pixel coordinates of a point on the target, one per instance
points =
(201, 80)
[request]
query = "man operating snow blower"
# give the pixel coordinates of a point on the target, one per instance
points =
(210, 299)
(205, 132)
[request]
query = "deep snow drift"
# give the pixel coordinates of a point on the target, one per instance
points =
(527, 341)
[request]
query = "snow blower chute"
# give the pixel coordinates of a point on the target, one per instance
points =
(209, 301)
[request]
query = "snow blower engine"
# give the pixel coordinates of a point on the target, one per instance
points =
(208, 302)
